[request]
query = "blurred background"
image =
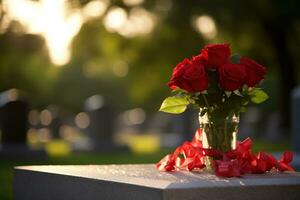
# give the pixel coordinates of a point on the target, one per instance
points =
(81, 80)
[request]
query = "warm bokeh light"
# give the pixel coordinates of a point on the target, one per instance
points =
(120, 69)
(133, 2)
(95, 8)
(82, 120)
(139, 143)
(139, 21)
(134, 116)
(206, 26)
(45, 117)
(69, 133)
(32, 139)
(34, 117)
(58, 148)
(12, 94)
(44, 135)
(115, 19)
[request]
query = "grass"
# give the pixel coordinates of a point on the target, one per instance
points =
(6, 166)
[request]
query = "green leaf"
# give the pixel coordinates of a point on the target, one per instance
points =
(174, 105)
(258, 96)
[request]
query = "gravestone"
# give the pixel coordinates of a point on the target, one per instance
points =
(14, 127)
(295, 112)
(102, 123)
(144, 181)
(55, 126)
(101, 128)
(14, 122)
(102, 119)
(186, 123)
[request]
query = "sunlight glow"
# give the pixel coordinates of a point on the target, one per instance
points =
(206, 26)
(55, 20)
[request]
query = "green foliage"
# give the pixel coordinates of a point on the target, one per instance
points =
(174, 105)
(258, 95)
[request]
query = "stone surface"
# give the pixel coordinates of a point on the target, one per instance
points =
(143, 181)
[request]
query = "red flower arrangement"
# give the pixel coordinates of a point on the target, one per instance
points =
(192, 76)
(221, 85)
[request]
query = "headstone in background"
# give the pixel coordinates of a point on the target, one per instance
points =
(14, 126)
(274, 131)
(55, 126)
(248, 122)
(295, 112)
(14, 122)
(185, 124)
(163, 124)
(101, 124)
(102, 119)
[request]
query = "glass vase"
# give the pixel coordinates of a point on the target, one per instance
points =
(218, 133)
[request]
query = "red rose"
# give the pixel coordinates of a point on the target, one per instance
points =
(190, 76)
(231, 76)
(216, 55)
(255, 72)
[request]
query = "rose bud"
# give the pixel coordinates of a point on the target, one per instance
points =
(216, 55)
(190, 76)
(254, 71)
(231, 76)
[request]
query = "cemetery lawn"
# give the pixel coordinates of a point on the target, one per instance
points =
(6, 165)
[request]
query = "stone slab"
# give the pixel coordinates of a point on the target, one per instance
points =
(143, 181)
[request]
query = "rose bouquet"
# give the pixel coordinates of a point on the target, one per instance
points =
(220, 86)
(215, 82)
